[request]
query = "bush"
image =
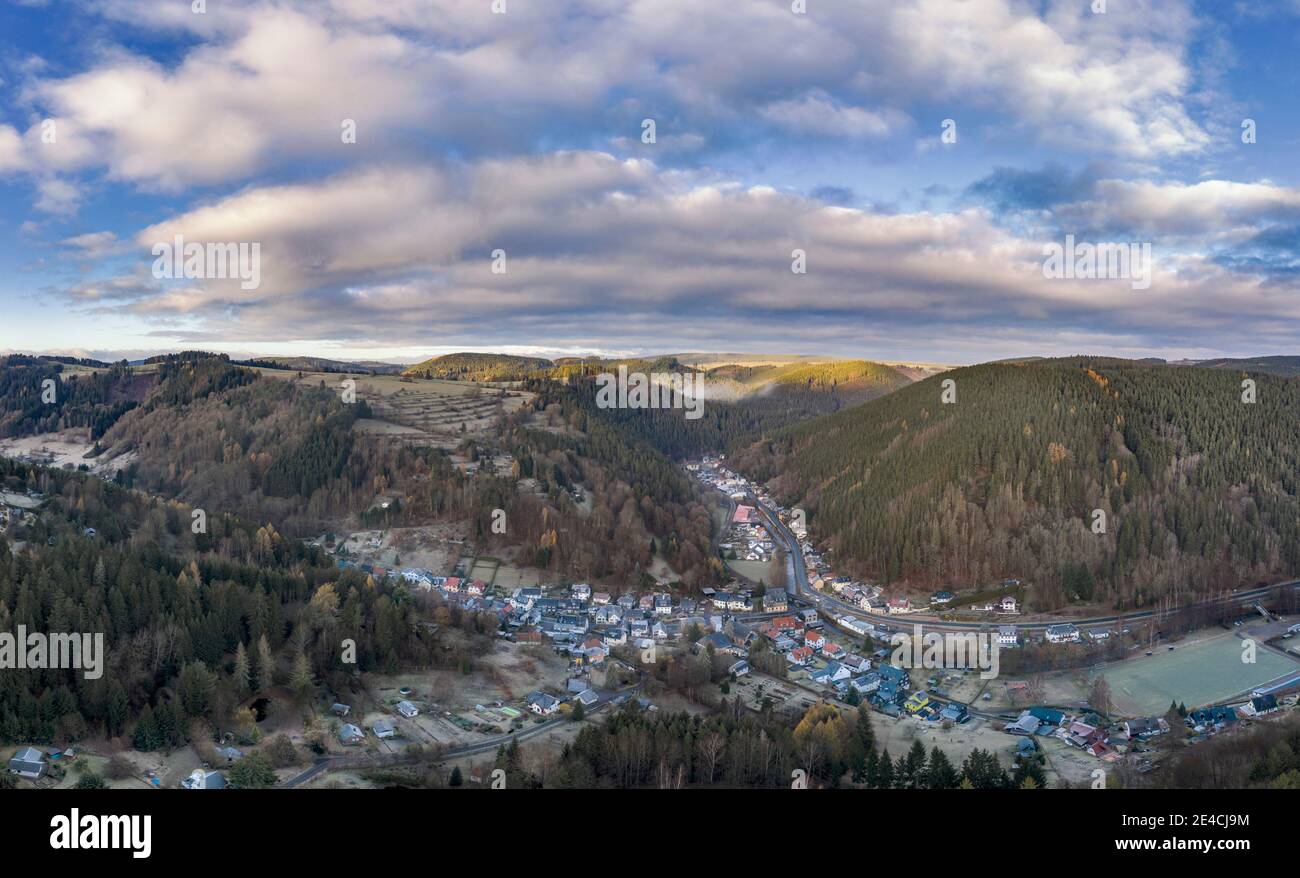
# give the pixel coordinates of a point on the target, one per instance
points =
(119, 767)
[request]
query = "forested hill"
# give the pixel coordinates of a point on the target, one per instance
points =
(478, 367)
(1199, 488)
(744, 403)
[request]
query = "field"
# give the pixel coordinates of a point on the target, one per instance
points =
(421, 411)
(1200, 673)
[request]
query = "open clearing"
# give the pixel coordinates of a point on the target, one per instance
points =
(1205, 672)
(422, 411)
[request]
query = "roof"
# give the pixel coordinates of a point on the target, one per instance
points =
(29, 754)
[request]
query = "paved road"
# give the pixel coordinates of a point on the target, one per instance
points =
(489, 745)
(827, 602)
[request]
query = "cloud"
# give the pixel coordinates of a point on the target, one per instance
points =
(607, 251)
(266, 85)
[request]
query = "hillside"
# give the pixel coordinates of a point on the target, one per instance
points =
(1287, 367)
(477, 367)
(322, 364)
(1199, 488)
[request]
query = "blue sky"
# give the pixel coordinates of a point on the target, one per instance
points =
(775, 131)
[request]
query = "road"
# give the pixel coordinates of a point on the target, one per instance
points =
(488, 745)
(800, 590)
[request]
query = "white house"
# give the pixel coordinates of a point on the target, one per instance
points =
(1008, 635)
(1065, 632)
(407, 709)
(542, 704)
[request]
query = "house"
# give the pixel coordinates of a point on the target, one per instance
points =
(1065, 632)
(832, 651)
(899, 605)
(1144, 727)
(941, 597)
(383, 728)
(1026, 725)
(1097, 635)
(476, 587)
(542, 704)
(917, 702)
(867, 683)
(582, 591)
(407, 709)
(775, 602)
(28, 762)
(350, 734)
(600, 598)
(719, 641)
(1211, 717)
(740, 668)
(341, 709)
(814, 639)
(954, 711)
(1008, 636)
(784, 624)
(1008, 604)
(204, 779)
(587, 697)
(833, 673)
(1047, 715)
(799, 656)
(894, 676)
(663, 605)
(1260, 705)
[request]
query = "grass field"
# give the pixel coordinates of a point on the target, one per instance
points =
(1199, 673)
(426, 411)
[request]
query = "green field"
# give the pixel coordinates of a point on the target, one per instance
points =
(1196, 674)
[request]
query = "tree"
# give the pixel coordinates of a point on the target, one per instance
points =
(1099, 696)
(253, 772)
(913, 767)
(300, 679)
(579, 712)
(281, 752)
(265, 665)
(941, 774)
(456, 779)
(242, 675)
(90, 781)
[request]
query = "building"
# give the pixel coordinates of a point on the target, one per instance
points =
(542, 704)
(775, 601)
(1008, 604)
(383, 728)
(204, 779)
(899, 605)
(407, 709)
(28, 762)
(941, 597)
(1008, 636)
(351, 734)
(1065, 632)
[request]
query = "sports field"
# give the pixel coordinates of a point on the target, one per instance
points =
(1199, 673)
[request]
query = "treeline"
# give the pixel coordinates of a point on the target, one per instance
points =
(192, 624)
(93, 400)
(828, 747)
(1198, 488)
(478, 367)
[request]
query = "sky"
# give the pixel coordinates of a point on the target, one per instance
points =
(868, 178)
